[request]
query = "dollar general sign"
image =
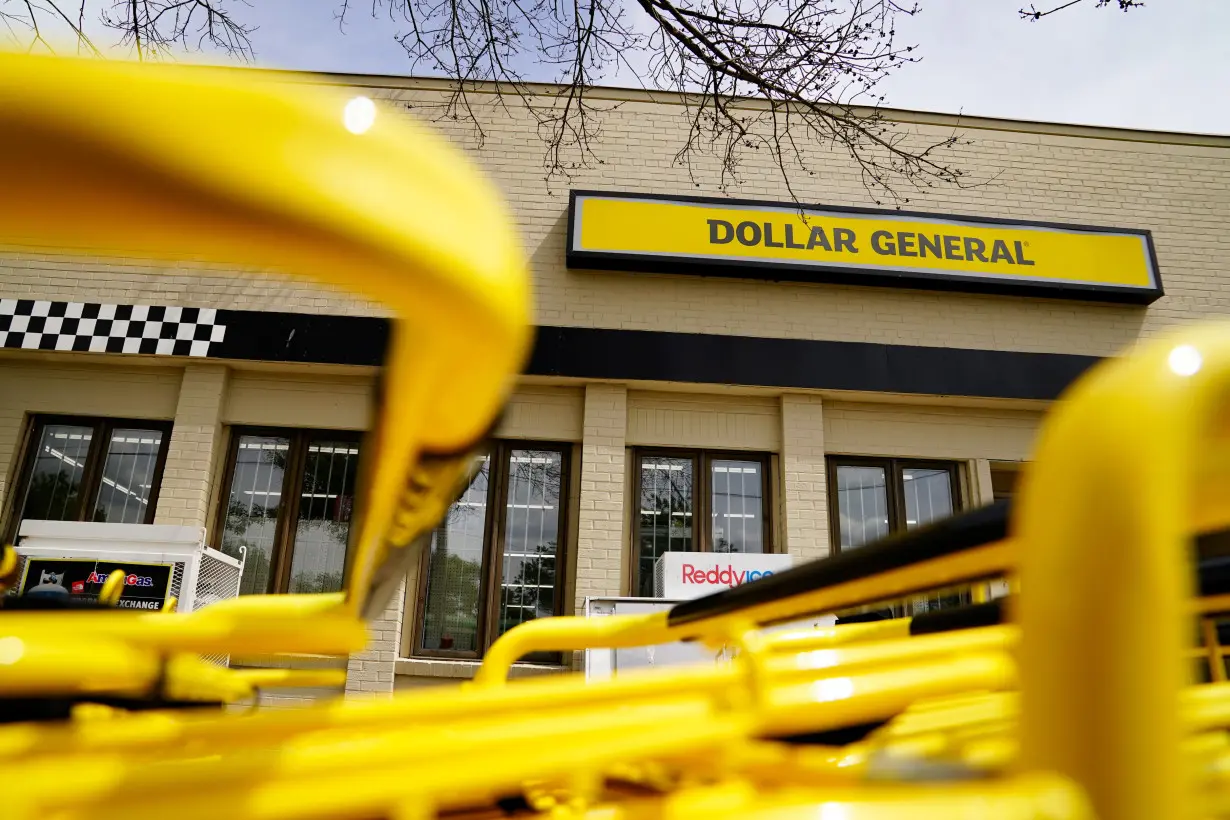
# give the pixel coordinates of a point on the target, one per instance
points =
(860, 247)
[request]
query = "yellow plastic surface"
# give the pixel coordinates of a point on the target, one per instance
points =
(1105, 506)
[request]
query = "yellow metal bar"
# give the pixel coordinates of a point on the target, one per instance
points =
(980, 593)
(891, 653)
(989, 560)
(112, 588)
(1211, 604)
(266, 678)
(878, 694)
(802, 640)
(1106, 506)
(574, 633)
(257, 174)
(1217, 669)
(8, 566)
(547, 695)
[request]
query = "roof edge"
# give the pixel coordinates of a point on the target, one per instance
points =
(624, 94)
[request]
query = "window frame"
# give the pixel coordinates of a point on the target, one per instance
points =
(893, 470)
(1006, 468)
(282, 556)
(91, 474)
(493, 534)
(702, 466)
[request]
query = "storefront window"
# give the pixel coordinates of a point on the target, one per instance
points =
(454, 570)
(877, 497)
(322, 525)
(665, 512)
(730, 498)
(92, 470)
(927, 492)
(496, 559)
(290, 502)
(862, 504)
(737, 505)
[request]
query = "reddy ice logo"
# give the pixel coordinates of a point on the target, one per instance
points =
(729, 576)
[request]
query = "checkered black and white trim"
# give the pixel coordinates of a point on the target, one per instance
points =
(29, 324)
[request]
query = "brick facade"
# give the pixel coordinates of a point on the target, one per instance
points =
(600, 521)
(804, 497)
(195, 438)
(1173, 185)
(370, 672)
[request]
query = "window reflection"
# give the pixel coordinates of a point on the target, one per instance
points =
(737, 506)
(531, 537)
(928, 495)
(455, 570)
(53, 493)
(326, 502)
(253, 505)
(666, 513)
(127, 476)
(862, 504)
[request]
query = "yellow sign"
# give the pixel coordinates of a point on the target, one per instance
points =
(776, 241)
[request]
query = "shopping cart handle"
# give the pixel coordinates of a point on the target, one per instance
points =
(942, 539)
(948, 537)
(974, 616)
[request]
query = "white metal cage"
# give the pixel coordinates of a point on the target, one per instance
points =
(199, 575)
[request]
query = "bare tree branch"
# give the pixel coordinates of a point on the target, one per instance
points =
(780, 77)
(777, 79)
(1033, 14)
(153, 29)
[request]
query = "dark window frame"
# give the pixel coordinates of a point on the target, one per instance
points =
(702, 471)
(1009, 472)
(283, 553)
(893, 470)
(493, 536)
(91, 474)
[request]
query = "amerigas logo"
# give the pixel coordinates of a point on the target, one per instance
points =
(131, 580)
(729, 576)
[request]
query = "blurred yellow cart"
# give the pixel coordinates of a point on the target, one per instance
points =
(1076, 706)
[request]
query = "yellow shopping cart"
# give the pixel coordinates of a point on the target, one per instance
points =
(173, 163)
(1061, 706)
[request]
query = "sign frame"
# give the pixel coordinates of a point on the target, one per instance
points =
(674, 589)
(577, 257)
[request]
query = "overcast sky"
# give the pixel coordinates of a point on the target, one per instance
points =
(1165, 66)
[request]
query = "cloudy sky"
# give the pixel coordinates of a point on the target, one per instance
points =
(1165, 66)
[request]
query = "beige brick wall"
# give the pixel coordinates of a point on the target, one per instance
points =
(600, 517)
(929, 431)
(1178, 190)
(195, 446)
(713, 421)
(545, 413)
(325, 402)
(371, 671)
(30, 385)
(804, 500)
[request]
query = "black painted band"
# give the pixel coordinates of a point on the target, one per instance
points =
(602, 353)
(643, 355)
